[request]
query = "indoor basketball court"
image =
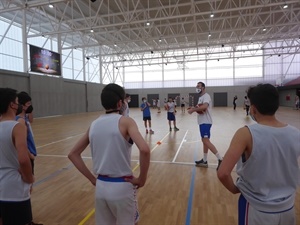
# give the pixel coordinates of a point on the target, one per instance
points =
(176, 191)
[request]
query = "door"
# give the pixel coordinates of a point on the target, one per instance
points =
(134, 101)
(151, 98)
(220, 99)
(176, 97)
(193, 99)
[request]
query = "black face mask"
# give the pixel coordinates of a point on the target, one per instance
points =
(29, 109)
(19, 110)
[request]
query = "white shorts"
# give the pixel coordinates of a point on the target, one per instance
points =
(116, 203)
(250, 216)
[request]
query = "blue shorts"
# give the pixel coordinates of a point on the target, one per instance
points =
(171, 116)
(205, 130)
(145, 118)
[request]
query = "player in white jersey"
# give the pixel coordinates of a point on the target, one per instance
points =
(15, 168)
(171, 114)
(204, 118)
(266, 154)
(110, 137)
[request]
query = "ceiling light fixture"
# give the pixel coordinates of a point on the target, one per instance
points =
(209, 35)
(50, 6)
(148, 23)
(115, 45)
(212, 15)
(92, 30)
(264, 29)
(285, 6)
(159, 40)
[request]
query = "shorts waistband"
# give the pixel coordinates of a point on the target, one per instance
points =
(113, 179)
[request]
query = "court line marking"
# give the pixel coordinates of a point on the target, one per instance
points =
(191, 195)
(54, 142)
(136, 160)
(137, 165)
(178, 150)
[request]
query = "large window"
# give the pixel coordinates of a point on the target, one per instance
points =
(217, 66)
(11, 48)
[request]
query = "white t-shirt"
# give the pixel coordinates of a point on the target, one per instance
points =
(205, 118)
(171, 107)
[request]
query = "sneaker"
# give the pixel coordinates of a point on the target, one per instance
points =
(170, 129)
(176, 129)
(219, 163)
(146, 131)
(201, 163)
(151, 132)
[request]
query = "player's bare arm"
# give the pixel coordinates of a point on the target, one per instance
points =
(239, 144)
(76, 159)
(19, 139)
(144, 149)
(203, 107)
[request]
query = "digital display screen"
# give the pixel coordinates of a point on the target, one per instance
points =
(44, 61)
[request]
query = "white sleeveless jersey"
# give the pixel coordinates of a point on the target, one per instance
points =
(205, 118)
(269, 178)
(12, 187)
(111, 153)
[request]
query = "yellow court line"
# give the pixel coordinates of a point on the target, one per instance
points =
(87, 217)
(82, 222)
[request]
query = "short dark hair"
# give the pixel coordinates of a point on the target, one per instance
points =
(111, 94)
(23, 97)
(202, 84)
(7, 95)
(265, 98)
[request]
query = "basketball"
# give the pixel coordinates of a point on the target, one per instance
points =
(200, 112)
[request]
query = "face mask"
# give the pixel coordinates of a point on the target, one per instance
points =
(129, 100)
(19, 110)
(29, 109)
(252, 117)
(145, 100)
(198, 90)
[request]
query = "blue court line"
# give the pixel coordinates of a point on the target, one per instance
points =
(57, 172)
(192, 186)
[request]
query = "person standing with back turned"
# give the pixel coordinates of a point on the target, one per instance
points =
(16, 175)
(266, 154)
(109, 139)
(205, 123)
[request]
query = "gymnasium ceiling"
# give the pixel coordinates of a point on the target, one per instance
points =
(120, 26)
